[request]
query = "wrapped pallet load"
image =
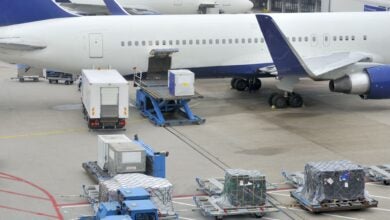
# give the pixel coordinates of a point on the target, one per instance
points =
(245, 187)
(160, 189)
(331, 181)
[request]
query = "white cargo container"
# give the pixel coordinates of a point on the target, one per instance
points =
(103, 142)
(105, 98)
(181, 82)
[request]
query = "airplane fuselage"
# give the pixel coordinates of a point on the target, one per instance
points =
(210, 45)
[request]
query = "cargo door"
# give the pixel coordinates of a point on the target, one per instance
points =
(109, 102)
(95, 45)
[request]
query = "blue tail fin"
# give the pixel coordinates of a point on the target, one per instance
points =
(115, 8)
(286, 59)
(23, 11)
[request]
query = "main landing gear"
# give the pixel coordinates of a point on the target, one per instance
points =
(242, 84)
(278, 100)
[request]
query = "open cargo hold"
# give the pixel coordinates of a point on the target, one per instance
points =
(333, 185)
(105, 98)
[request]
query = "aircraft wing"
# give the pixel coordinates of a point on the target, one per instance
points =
(92, 9)
(16, 43)
(289, 63)
(85, 9)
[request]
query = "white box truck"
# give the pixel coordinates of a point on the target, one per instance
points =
(103, 142)
(105, 99)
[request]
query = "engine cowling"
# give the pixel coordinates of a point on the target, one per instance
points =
(372, 83)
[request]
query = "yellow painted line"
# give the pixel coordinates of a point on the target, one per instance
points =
(43, 133)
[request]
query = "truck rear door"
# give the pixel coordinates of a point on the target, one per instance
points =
(109, 102)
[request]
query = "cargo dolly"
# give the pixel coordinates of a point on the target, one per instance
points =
(211, 206)
(155, 102)
(337, 205)
(379, 173)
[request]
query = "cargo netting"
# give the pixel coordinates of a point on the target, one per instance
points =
(160, 189)
(332, 181)
(244, 188)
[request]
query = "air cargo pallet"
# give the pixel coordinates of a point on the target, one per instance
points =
(161, 108)
(24, 78)
(379, 173)
(214, 186)
(337, 205)
(209, 206)
(295, 179)
(95, 172)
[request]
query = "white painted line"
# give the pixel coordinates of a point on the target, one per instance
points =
(186, 218)
(183, 198)
(341, 216)
(182, 203)
(269, 218)
(380, 209)
(377, 184)
(280, 190)
(74, 206)
(279, 194)
(382, 197)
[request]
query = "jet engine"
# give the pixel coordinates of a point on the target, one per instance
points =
(372, 83)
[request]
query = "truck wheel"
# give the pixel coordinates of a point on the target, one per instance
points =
(56, 81)
(21, 79)
(66, 82)
(50, 81)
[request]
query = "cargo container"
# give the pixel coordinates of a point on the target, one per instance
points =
(181, 82)
(126, 158)
(103, 142)
(105, 99)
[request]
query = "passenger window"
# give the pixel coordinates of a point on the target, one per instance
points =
(255, 40)
(236, 41)
(204, 41)
(306, 39)
(326, 38)
(177, 42)
(164, 42)
(249, 40)
(157, 42)
(353, 37)
(216, 41)
(365, 37)
(122, 43)
(347, 38)
(243, 40)
(170, 42)
(299, 39)
(230, 41)
(211, 41)
(184, 42)
(150, 43)
(334, 38)
(293, 39)
(190, 42)
(129, 43)
(341, 38)
(262, 40)
(223, 41)
(197, 42)
(143, 43)
(314, 39)
(136, 43)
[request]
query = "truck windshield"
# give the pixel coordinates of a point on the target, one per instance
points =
(145, 216)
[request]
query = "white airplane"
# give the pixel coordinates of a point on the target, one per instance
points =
(344, 48)
(162, 6)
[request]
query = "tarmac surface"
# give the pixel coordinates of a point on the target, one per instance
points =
(44, 140)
